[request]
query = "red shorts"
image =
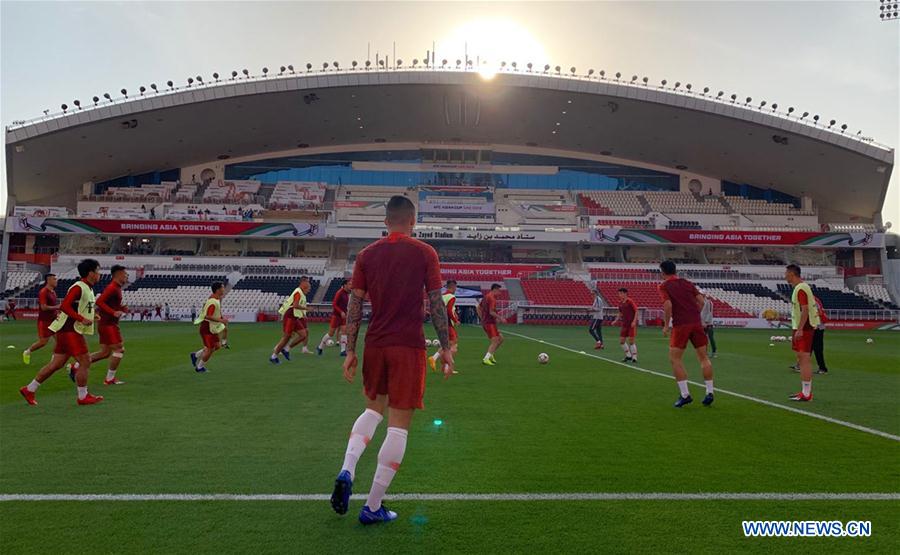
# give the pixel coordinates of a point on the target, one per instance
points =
(452, 333)
(110, 335)
(683, 333)
(292, 324)
(336, 322)
(44, 330)
(491, 330)
(210, 340)
(70, 343)
(804, 343)
(398, 372)
(628, 331)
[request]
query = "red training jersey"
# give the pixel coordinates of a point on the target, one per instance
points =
(488, 305)
(69, 305)
(394, 271)
(108, 303)
(47, 297)
(683, 295)
(823, 316)
(803, 300)
(627, 310)
(340, 302)
(452, 317)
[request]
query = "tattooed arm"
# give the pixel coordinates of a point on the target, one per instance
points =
(439, 318)
(354, 317)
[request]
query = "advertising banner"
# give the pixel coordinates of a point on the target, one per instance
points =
(615, 235)
(155, 227)
(491, 272)
(451, 206)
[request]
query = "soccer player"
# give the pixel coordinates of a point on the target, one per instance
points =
(110, 309)
(338, 318)
(293, 320)
(628, 321)
(449, 299)
(48, 305)
(487, 312)
(75, 320)
(706, 317)
(819, 338)
(212, 323)
(596, 327)
(393, 272)
(681, 305)
(804, 320)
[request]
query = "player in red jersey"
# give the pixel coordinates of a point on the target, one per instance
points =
(682, 303)
(487, 312)
(212, 323)
(110, 309)
(449, 299)
(75, 320)
(338, 318)
(393, 272)
(805, 318)
(293, 322)
(628, 321)
(48, 305)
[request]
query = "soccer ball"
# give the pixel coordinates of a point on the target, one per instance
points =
(870, 340)
(329, 343)
(430, 343)
(543, 358)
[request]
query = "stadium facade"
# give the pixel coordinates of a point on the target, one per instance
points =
(521, 176)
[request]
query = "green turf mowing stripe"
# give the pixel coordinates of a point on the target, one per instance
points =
(844, 423)
(625, 496)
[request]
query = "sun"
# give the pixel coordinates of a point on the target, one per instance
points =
(490, 42)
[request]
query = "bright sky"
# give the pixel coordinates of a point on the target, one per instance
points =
(837, 59)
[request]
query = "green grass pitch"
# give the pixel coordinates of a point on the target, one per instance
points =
(576, 425)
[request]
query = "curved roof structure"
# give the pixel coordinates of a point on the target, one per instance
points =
(254, 117)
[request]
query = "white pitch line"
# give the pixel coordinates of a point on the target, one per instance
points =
(839, 422)
(624, 496)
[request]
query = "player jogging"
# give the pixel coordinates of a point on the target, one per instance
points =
(804, 320)
(75, 320)
(596, 327)
(393, 272)
(211, 323)
(48, 310)
(338, 318)
(293, 320)
(487, 312)
(449, 299)
(110, 309)
(681, 323)
(628, 321)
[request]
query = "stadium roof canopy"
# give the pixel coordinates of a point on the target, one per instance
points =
(741, 142)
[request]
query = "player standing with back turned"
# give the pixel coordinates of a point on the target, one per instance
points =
(393, 272)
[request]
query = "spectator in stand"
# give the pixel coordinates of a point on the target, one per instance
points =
(143, 209)
(153, 213)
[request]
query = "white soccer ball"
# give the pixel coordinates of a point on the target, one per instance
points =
(771, 338)
(329, 343)
(543, 358)
(430, 343)
(870, 340)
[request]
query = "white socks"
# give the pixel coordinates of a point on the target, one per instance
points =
(28, 351)
(389, 459)
(683, 388)
(82, 392)
(110, 374)
(807, 388)
(343, 343)
(633, 350)
(33, 386)
(325, 338)
(709, 386)
(626, 349)
(362, 432)
(436, 355)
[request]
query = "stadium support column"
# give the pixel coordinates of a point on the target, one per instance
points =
(4, 255)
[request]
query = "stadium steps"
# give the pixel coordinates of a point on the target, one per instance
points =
(644, 204)
(514, 287)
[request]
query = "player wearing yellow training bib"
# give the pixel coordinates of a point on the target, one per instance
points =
(212, 323)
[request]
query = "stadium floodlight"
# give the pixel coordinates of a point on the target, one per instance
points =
(77, 103)
(721, 93)
(831, 123)
(107, 97)
(515, 66)
(816, 118)
(458, 62)
(468, 63)
(324, 65)
(705, 90)
(790, 110)
(733, 98)
(47, 113)
(843, 127)
(399, 62)
(246, 73)
(153, 86)
(618, 75)
(143, 89)
(546, 68)
(677, 84)
(762, 103)
(291, 68)
(308, 66)
(353, 64)
(265, 72)
(634, 78)
(502, 65)
(64, 107)
(688, 86)
(336, 65)
(233, 75)
(774, 106)
(590, 72)
(529, 66)
(281, 70)
(190, 81)
(415, 62)
(96, 100)
(368, 64)
(663, 83)
(124, 93)
(804, 115)
(443, 62)
(199, 79)
(645, 80)
(216, 77)
(558, 69)
(602, 74)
